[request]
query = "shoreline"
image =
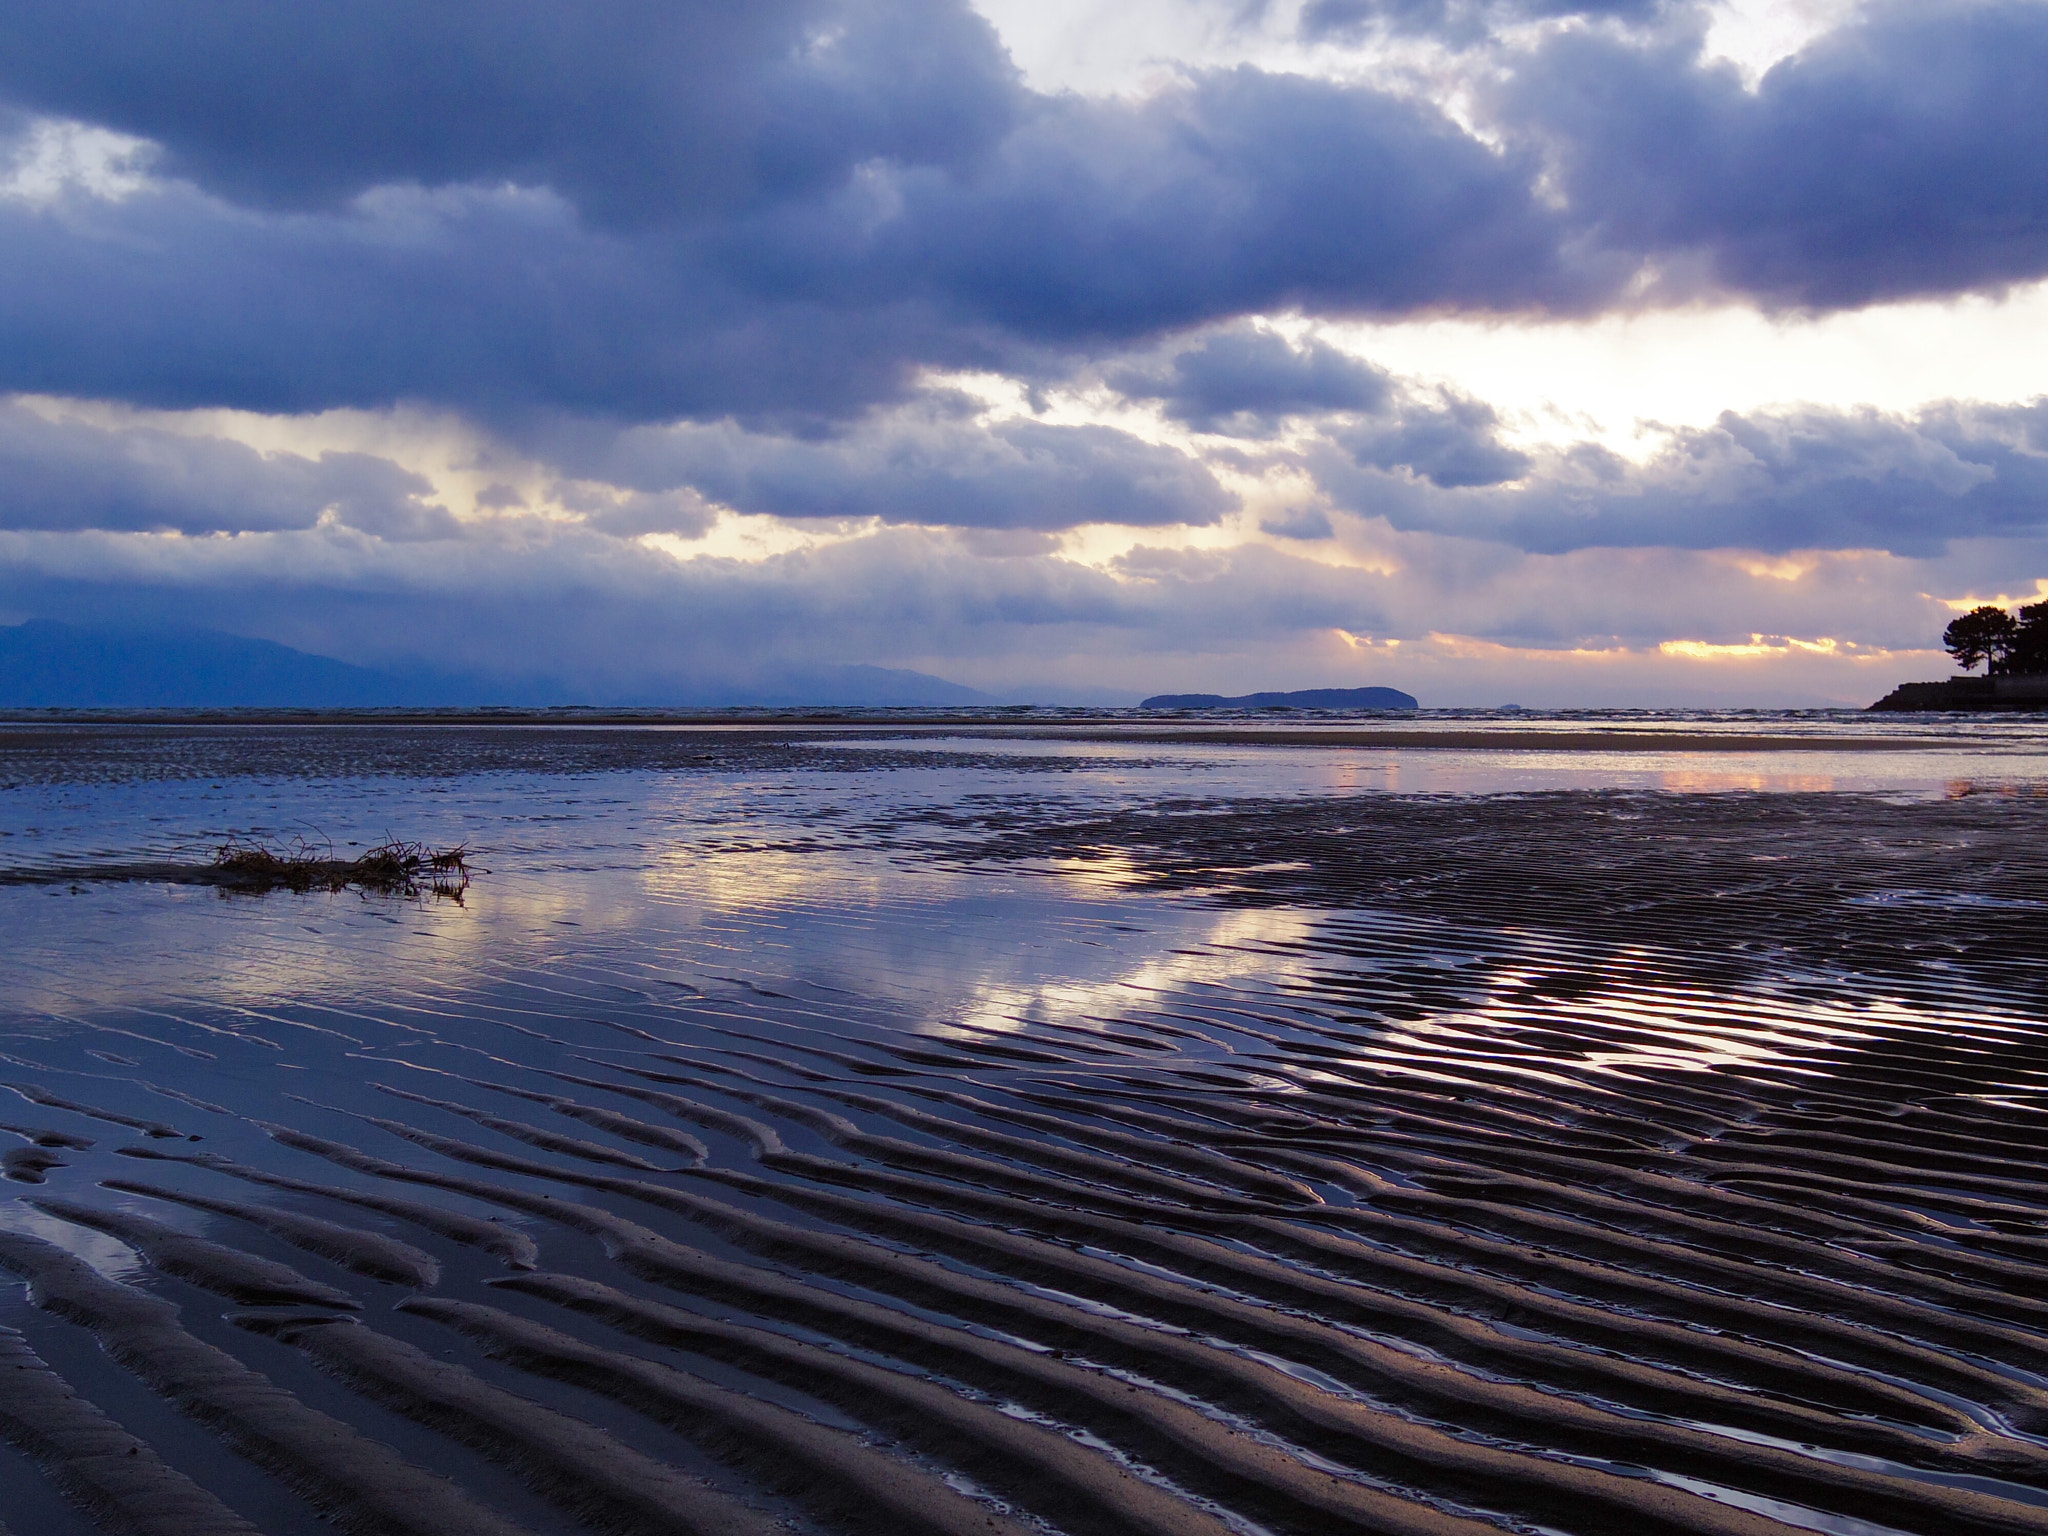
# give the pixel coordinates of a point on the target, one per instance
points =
(846, 727)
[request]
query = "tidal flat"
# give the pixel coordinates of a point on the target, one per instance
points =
(1599, 1125)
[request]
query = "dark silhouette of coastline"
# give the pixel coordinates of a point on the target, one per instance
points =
(2004, 694)
(2012, 649)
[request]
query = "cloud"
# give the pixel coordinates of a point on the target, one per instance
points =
(498, 300)
(1249, 383)
(1244, 382)
(71, 475)
(629, 514)
(567, 601)
(637, 111)
(1448, 439)
(1459, 22)
(650, 210)
(925, 468)
(1425, 460)
(498, 496)
(1767, 481)
(789, 213)
(1232, 192)
(1302, 523)
(570, 598)
(494, 302)
(1902, 154)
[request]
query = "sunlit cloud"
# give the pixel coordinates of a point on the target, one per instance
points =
(1771, 645)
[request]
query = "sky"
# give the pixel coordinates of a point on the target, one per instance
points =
(1555, 352)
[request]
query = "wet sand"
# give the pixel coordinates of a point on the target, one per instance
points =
(1029, 1147)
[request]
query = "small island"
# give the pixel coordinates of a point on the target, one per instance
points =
(1303, 698)
(2012, 649)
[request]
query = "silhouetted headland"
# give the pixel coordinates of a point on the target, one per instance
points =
(1970, 693)
(2011, 647)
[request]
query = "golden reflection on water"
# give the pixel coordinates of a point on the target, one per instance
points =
(1107, 872)
(1962, 789)
(1352, 774)
(762, 880)
(1695, 781)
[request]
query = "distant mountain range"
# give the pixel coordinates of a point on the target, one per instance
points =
(49, 665)
(1304, 698)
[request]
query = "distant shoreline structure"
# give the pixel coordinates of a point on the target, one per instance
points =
(1970, 694)
(2011, 647)
(1303, 698)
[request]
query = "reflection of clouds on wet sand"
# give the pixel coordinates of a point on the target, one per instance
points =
(108, 1256)
(1042, 1145)
(1638, 1016)
(1132, 970)
(1880, 756)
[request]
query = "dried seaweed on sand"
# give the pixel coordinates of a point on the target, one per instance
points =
(390, 868)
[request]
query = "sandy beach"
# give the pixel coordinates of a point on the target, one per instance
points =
(885, 1136)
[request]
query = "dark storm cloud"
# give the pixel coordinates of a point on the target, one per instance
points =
(1904, 154)
(1245, 382)
(492, 301)
(1778, 482)
(650, 211)
(647, 210)
(1233, 192)
(1016, 474)
(638, 111)
(69, 475)
(1239, 193)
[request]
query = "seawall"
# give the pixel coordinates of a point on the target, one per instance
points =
(1970, 693)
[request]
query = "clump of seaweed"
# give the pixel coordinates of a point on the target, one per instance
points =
(389, 869)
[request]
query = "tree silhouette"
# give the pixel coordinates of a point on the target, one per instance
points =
(2029, 656)
(1982, 634)
(2014, 647)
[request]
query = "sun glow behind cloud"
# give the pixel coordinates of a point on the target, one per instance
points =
(1099, 47)
(1759, 646)
(1617, 378)
(56, 157)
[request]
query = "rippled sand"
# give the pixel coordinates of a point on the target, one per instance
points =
(1076, 1136)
